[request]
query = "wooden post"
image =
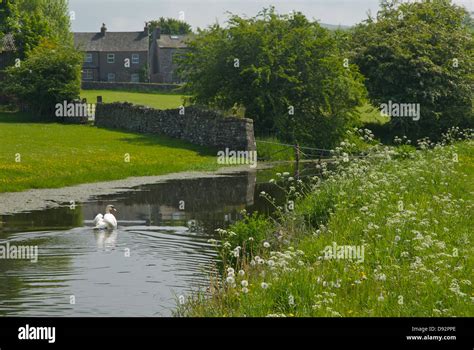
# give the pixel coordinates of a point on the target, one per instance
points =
(297, 160)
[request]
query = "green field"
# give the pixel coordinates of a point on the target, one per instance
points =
(56, 155)
(155, 100)
(410, 210)
(48, 155)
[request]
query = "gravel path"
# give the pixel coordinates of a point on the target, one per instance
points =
(39, 199)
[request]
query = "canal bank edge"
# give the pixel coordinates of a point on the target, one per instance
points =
(40, 199)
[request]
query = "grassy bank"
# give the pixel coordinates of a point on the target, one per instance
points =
(155, 100)
(411, 211)
(270, 149)
(48, 155)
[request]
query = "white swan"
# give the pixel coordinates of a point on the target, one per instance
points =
(107, 221)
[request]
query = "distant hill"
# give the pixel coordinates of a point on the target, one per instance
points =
(335, 26)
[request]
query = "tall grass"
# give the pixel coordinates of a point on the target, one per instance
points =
(411, 211)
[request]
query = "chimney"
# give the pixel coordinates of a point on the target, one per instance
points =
(155, 35)
(146, 29)
(103, 29)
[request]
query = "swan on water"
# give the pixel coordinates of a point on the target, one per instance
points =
(107, 221)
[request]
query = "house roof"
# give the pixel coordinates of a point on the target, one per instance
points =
(112, 41)
(7, 43)
(173, 41)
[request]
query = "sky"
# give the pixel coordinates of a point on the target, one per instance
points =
(130, 15)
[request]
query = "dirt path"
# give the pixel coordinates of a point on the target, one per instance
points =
(38, 199)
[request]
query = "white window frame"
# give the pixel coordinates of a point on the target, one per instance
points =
(87, 74)
(137, 80)
(135, 58)
(88, 58)
(110, 58)
(109, 75)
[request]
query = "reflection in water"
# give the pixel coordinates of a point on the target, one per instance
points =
(105, 239)
(159, 250)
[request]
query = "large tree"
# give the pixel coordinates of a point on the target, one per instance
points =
(30, 21)
(50, 67)
(50, 74)
(8, 18)
(170, 26)
(419, 53)
(286, 72)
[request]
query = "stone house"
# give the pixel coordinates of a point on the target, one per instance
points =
(130, 56)
(114, 56)
(164, 49)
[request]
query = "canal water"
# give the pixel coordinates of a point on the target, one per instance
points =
(159, 251)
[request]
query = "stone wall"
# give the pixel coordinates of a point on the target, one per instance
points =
(199, 126)
(102, 85)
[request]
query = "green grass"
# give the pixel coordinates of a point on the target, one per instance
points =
(413, 216)
(269, 151)
(57, 155)
(155, 100)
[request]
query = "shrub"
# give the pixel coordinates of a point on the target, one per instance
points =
(51, 74)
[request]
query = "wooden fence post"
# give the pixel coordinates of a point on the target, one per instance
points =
(297, 160)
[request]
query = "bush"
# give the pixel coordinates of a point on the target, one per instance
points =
(419, 53)
(51, 74)
(248, 234)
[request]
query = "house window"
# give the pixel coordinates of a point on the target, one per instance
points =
(111, 77)
(135, 58)
(135, 78)
(110, 58)
(87, 74)
(88, 58)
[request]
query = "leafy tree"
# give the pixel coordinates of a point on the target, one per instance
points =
(170, 26)
(8, 18)
(30, 21)
(57, 13)
(50, 74)
(469, 21)
(419, 53)
(285, 71)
